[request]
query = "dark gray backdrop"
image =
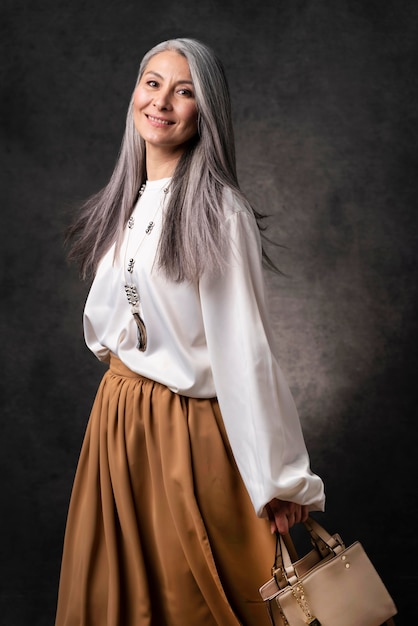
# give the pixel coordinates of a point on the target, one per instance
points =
(324, 97)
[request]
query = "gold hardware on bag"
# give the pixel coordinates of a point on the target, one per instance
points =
(299, 594)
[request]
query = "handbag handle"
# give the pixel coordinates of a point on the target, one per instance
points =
(322, 540)
(278, 568)
(326, 544)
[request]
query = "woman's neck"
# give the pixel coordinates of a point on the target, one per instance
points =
(161, 165)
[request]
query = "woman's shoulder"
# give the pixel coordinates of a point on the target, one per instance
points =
(240, 221)
(235, 204)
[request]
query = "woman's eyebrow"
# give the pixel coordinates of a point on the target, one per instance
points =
(186, 80)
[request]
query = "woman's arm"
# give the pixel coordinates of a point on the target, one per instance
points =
(257, 407)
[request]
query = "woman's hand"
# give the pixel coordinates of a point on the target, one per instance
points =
(283, 515)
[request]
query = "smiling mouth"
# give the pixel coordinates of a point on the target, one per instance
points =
(159, 120)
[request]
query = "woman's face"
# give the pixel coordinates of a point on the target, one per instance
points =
(164, 106)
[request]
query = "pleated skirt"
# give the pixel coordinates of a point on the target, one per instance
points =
(160, 529)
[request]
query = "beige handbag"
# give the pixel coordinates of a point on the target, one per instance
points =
(331, 586)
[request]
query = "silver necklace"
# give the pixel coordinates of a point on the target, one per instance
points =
(131, 290)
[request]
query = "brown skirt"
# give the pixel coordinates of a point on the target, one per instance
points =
(160, 529)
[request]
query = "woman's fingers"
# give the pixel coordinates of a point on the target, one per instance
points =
(283, 515)
(305, 513)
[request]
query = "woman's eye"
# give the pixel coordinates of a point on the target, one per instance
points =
(185, 92)
(152, 83)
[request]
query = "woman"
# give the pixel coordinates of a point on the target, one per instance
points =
(193, 438)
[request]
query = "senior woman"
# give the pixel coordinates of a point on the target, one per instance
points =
(194, 453)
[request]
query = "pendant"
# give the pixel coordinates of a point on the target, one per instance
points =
(142, 334)
(314, 622)
(133, 299)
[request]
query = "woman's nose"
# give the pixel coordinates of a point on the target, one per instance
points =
(162, 102)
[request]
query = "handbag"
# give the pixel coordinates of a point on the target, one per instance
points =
(330, 586)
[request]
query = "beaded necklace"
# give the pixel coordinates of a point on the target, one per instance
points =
(132, 290)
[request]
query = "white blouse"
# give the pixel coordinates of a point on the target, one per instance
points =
(205, 339)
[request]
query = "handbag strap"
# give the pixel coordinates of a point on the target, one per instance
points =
(278, 569)
(321, 538)
(325, 543)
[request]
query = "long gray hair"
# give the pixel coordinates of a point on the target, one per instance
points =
(192, 240)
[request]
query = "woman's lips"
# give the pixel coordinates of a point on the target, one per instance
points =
(159, 121)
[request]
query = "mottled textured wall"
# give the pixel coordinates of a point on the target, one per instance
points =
(324, 98)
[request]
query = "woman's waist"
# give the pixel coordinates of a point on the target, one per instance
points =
(191, 379)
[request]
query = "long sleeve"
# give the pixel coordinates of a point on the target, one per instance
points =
(258, 410)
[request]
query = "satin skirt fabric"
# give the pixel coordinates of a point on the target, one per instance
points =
(160, 529)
